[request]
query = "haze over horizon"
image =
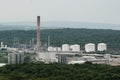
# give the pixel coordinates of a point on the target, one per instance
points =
(93, 11)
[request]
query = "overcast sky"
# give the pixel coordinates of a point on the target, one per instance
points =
(100, 11)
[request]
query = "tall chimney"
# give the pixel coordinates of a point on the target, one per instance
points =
(38, 34)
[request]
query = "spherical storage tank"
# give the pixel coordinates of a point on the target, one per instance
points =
(75, 48)
(90, 47)
(102, 47)
(65, 47)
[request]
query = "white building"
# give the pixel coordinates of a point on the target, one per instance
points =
(90, 47)
(47, 57)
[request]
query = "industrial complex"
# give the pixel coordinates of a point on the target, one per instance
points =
(68, 54)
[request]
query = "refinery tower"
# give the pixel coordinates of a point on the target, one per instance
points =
(38, 34)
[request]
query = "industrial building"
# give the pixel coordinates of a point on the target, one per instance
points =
(67, 53)
(2, 46)
(46, 57)
(15, 58)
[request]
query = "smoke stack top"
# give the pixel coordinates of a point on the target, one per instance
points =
(38, 20)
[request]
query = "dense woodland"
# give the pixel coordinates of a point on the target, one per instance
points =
(55, 71)
(67, 35)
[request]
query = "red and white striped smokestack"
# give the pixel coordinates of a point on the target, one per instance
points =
(38, 33)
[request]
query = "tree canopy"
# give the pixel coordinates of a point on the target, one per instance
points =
(56, 71)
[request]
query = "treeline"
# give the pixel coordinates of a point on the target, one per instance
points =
(69, 36)
(56, 71)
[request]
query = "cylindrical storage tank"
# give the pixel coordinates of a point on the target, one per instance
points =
(59, 49)
(102, 47)
(65, 47)
(50, 49)
(55, 49)
(76, 48)
(90, 47)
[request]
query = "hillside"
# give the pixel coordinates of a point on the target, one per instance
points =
(56, 24)
(55, 71)
(67, 35)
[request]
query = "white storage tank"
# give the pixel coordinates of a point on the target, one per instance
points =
(59, 49)
(75, 48)
(102, 47)
(65, 47)
(90, 47)
(55, 49)
(50, 49)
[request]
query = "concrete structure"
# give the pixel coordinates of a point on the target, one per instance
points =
(107, 56)
(77, 62)
(62, 58)
(38, 34)
(69, 58)
(12, 49)
(88, 58)
(66, 57)
(15, 58)
(102, 47)
(46, 57)
(65, 47)
(90, 47)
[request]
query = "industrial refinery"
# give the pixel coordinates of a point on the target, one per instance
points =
(67, 53)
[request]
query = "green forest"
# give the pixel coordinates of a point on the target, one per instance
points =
(56, 71)
(67, 35)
